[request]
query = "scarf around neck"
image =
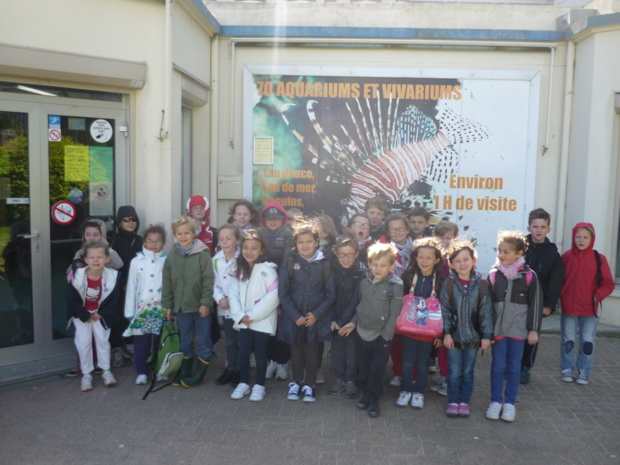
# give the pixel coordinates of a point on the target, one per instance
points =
(511, 271)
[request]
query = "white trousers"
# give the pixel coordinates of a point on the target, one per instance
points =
(84, 334)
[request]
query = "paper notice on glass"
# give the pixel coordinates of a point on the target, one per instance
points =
(263, 150)
(101, 164)
(101, 201)
(76, 163)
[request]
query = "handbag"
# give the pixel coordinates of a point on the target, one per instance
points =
(420, 316)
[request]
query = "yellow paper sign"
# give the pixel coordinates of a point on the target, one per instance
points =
(76, 163)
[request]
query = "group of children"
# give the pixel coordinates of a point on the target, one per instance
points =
(284, 286)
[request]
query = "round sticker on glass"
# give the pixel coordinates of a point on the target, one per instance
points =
(101, 130)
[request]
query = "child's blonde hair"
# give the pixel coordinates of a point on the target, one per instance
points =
(96, 245)
(378, 251)
(514, 238)
(182, 221)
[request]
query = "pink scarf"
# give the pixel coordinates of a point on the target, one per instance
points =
(511, 271)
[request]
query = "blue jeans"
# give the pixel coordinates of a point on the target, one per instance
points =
(461, 375)
(192, 325)
(586, 325)
(507, 355)
(415, 353)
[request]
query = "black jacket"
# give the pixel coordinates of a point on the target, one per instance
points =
(347, 281)
(544, 259)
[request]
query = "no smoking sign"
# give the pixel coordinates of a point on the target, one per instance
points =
(63, 212)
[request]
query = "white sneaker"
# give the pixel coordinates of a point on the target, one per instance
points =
(240, 391)
(582, 378)
(395, 381)
(567, 375)
(282, 371)
(87, 383)
(309, 394)
(294, 391)
(108, 378)
(258, 393)
(440, 385)
(142, 379)
(493, 411)
(403, 399)
(271, 369)
(509, 413)
(320, 379)
(417, 400)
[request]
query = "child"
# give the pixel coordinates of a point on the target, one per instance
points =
(423, 278)
(419, 221)
(254, 310)
(381, 301)
(543, 258)
(397, 229)
(376, 209)
(128, 244)
(517, 304)
(278, 237)
(588, 281)
(467, 315)
(446, 231)
(198, 208)
(229, 236)
(327, 234)
(92, 302)
(143, 298)
(359, 228)
(292, 213)
(244, 215)
(307, 293)
(188, 295)
(348, 273)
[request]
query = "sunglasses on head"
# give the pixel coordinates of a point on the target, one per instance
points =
(129, 219)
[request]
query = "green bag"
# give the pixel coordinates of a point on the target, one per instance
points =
(166, 359)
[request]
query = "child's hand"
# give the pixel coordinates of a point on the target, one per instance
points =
(485, 344)
(246, 320)
(546, 311)
(300, 321)
(169, 314)
(94, 317)
(224, 304)
(335, 326)
(532, 338)
(204, 311)
(437, 342)
(448, 343)
(310, 319)
(346, 329)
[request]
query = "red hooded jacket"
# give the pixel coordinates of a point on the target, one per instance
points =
(580, 294)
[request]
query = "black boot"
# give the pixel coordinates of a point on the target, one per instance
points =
(373, 408)
(201, 371)
(224, 378)
(184, 371)
(235, 378)
(363, 403)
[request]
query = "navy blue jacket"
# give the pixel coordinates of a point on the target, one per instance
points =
(347, 281)
(303, 293)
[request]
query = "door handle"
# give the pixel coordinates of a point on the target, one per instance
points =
(32, 235)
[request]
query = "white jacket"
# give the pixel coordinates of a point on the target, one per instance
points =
(144, 285)
(223, 278)
(258, 298)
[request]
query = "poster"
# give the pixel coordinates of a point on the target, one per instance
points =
(463, 148)
(101, 164)
(76, 163)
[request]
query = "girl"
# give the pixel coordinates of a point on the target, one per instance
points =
(359, 228)
(244, 215)
(588, 281)
(518, 310)
(397, 227)
(307, 293)
(254, 311)
(143, 298)
(92, 302)
(223, 264)
(327, 233)
(423, 278)
(467, 315)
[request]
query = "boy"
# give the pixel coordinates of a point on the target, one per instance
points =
(277, 235)
(375, 319)
(348, 273)
(198, 208)
(419, 223)
(92, 302)
(187, 294)
(588, 282)
(543, 258)
(376, 210)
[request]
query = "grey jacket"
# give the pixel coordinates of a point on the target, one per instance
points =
(376, 314)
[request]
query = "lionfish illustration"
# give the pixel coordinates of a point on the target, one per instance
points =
(385, 158)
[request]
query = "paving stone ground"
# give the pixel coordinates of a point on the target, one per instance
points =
(557, 423)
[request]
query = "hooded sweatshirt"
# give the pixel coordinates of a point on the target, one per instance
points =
(581, 295)
(127, 244)
(206, 233)
(279, 241)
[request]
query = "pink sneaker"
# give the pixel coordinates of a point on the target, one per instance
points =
(463, 410)
(453, 410)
